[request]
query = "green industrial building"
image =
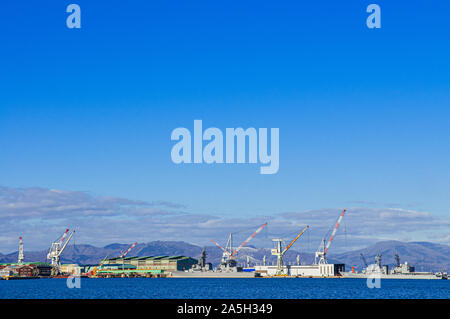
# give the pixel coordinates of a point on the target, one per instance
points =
(149, 263)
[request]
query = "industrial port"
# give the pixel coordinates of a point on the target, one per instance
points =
(189, 267)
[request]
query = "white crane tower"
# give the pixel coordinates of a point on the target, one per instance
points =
(20, 259)
(227, 251)
(56, 250)
(279, 252)
(321, 254)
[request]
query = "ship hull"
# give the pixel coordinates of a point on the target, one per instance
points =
(394, 276)
(211, 274)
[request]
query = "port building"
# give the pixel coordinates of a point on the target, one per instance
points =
(70, 268)
(146, 264)
(320, 270)
(31, 269)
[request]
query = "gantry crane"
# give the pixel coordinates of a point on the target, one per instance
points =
(228, 253)
(279, 251)
(56, 250)
(20, 258)
(321, 254)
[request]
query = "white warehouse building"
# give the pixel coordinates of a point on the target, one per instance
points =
(319, 270)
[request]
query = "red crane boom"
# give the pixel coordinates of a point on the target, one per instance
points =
(334, 231)
(129, 249)
(248, 239)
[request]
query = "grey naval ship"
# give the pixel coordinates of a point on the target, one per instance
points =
(400, 271)
(227, 269)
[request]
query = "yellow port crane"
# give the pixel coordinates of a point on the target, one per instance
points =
(279, 251)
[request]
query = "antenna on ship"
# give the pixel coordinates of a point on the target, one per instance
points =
(397, 260)
(364, 260)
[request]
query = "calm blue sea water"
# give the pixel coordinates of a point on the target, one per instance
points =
(181, 288)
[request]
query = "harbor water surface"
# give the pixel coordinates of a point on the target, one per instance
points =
(217, 288)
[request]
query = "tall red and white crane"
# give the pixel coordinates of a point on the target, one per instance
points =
(56, 250)
(20, 259)
(248, 239)
(127, 251)
(321, 254)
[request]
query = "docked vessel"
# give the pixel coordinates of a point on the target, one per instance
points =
(227, 269)
(401, 271)
(213, 274)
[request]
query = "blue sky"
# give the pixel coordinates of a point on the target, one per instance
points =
(364, 115)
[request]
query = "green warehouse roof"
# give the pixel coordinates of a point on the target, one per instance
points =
(143, 258)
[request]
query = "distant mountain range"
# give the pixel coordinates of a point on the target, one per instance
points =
(424, 256)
